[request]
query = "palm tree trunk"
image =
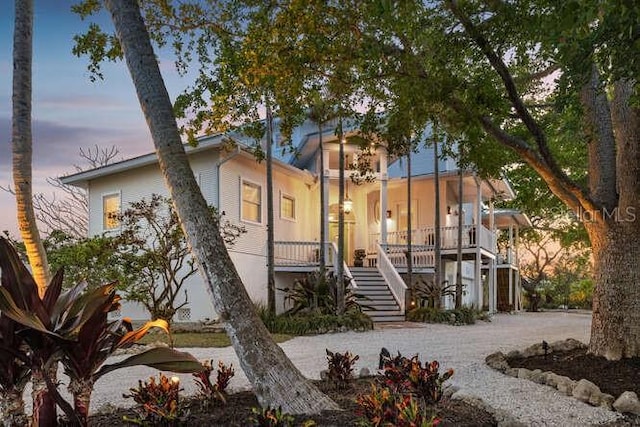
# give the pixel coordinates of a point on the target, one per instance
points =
(409, 236)
(323, 231)
(22, 143)
(438, 232)
(276, 381)
(340, 290)
(459, 254)
(271, 281)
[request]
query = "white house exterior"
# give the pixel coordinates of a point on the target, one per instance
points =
(232, 180)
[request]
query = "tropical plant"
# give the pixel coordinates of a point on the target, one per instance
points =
(72, 327)
(213, 392)
(318, 292)
(158, 402)
(15, 371)
(407, 376)
(384, 407)
(271, 417)
(340, 368)
(430, 293)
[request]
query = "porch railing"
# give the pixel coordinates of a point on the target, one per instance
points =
(396, 284)
(472, 236)
(422, 256)
(299, 254)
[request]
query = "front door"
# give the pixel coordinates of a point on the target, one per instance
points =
(349, 239)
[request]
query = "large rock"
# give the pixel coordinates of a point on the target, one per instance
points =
(603, 400)
(533, 350)
(524, 374)
(537, 376)
(628, 402)
(565, 385)
(566, 345)
(497, 361)
(584, 389)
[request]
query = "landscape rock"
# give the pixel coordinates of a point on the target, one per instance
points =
(566, 345)
(565, 385)
(324, 375)
(584, 390)
(537, 376)
(628, 402)
(524, 373)
(552, 379)
(497, 361)
(533, 350)
(512, 372)
(449, 390)
(603, 400)
(364, 372)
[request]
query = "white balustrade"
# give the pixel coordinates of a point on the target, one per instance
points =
(396, 284)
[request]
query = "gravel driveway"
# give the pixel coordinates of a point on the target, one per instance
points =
(462, 348)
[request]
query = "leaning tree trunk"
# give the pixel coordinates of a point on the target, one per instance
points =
(276, 381)
(44, 404)
(22, 143)
(81, 391)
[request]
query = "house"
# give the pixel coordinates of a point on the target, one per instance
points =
(375, 223)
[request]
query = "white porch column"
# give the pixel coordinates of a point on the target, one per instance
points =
(325, 189)
(517, 264)
(384, 178)
(478, 221)
(511, 300)
(490, 280)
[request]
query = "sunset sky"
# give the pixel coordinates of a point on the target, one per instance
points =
(69, 111)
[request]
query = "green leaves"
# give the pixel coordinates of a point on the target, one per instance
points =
(161, 358)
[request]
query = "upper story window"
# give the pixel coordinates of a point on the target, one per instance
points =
(251, 209)
(110, 211)
(287, 207)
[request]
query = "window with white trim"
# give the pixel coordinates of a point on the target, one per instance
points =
(287, 207)
(251, 202)
(110, 211)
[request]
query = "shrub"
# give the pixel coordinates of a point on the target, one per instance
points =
(318, 293)
(407, 376)
(158, 403)
(383, 407)
(214, 392)
(462, 316)
(270, 417)
(314, 323)
(340, 368)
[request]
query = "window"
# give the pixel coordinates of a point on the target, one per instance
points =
(110, 211)
(287, 207)
(251, 202)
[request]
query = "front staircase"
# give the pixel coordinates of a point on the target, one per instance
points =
(377, 300)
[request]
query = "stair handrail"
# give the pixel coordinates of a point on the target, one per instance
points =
(396, 285)
(345, 267)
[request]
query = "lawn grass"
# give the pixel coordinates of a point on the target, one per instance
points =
(201, 339)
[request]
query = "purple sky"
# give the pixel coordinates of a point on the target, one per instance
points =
(69, 111)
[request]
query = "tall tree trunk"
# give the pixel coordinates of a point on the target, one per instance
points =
(276, 381)
(438, 232)
(615, 327)
(340, 290)
(271, 280)
(459, 254)
(44, 405)
(409, 226)
(81, 391)
(22, 143)
(323, 231)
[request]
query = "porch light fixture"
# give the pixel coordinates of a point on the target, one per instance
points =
(388, 214)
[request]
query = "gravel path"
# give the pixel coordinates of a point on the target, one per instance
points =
(460, 347)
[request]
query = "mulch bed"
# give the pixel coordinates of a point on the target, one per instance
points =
(237, 411)
(613, 377)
